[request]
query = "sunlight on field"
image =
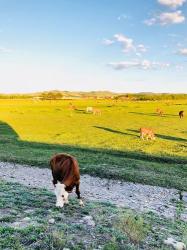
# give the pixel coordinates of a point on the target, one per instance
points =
(116, 128)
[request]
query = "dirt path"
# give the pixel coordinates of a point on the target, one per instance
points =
(140, 197)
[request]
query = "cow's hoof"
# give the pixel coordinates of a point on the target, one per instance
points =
(59, 205)
(81, 203)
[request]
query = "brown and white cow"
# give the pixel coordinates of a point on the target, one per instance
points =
(147, 133)
(66, 176)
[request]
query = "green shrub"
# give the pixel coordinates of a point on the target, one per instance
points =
(133, 226)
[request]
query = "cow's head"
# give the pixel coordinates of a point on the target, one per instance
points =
(61, 194)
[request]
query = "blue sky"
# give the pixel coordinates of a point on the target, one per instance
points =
(118, 45)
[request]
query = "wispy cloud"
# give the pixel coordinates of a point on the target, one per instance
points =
(128, 44)
(166, 18)
(5, 50)
(183, 52)
(123, 17)
(172, 3)
(138, 64)
(150, 21)
(179, 67)
(108, 42)
(141, 48)
(173, 35)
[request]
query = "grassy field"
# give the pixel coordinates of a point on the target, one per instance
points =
(107, 145)
(25, 223)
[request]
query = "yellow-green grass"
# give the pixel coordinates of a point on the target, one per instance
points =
(107, 145)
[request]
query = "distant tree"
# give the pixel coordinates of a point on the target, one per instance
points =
(51, 95)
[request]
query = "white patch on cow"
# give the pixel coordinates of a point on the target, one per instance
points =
(61, 195)
(66, 201)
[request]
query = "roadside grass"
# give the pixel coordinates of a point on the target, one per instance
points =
(106, 145)
(30, 210)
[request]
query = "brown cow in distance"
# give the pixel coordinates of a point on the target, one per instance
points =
(181, 114)
(66, 176)
(96, 111)
(147, 133)
(159, 111)
(72, 107)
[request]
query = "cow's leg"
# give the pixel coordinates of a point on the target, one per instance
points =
(65, 197)
(54, 182)
(59, 200)
(79, 195)
(77, 191)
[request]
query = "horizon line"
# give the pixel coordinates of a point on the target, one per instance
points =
(88, 91)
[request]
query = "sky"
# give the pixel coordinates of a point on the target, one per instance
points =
(83, 45)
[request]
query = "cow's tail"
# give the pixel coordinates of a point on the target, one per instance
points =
(52, 163)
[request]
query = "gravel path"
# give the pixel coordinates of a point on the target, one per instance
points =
(140, 197)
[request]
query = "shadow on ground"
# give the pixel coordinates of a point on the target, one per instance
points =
(153, 114)
(126, 165)
(9, 135)
(114, 131)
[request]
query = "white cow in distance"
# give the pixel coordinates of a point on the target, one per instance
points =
(89, 109)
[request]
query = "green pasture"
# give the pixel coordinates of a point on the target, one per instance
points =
(107, 145)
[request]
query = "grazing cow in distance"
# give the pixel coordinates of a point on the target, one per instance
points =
(147, 133)
(159, 111)
(89, 109)
(96, 111)
(66, 176)
(181, 114)
(72, 107)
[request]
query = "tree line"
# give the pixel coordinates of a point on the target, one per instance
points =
(58, 95)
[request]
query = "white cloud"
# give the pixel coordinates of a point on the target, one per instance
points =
(171, 18)
(183, 52)
(108, 42)
(138, 64)
(179, 44)
(138, 54)
(172, 3)
(150, 21)
(5, 50)
(127, 43)
(142, 48)
(179, 67)
(166, 18)
(123, 16)
(173, 35)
